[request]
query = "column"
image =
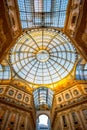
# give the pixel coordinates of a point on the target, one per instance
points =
(6, 119)
(61, 122)
(16, 121)
(26, 123)
(18, 125)
(83, 120)
(80, 120)
(69, 122)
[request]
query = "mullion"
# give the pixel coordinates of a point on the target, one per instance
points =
(31, 69)
(25, 12)
(33, 40)
(42, 37)
(22, 59)
(49, 72)
(51, 12)
(52, 59)
(54, 69)
(51, 40)
(33, 12)
(60, 65)
(62, 58)
(62, 43)
(61, 51)
(36, 72)
(22, 66)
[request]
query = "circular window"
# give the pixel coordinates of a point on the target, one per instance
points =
(43, 56)
(76, 92)
(67, 96)
(1, 90)
(59, 99)
(85, 89)
(26, 99)
(19, 96)
(11, 92)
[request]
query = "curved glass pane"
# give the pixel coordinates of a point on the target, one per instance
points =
(34, 13)
(43, 98)
(43, 56)
(5, 72)
(81, 71)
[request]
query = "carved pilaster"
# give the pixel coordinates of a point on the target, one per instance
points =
(5, 119)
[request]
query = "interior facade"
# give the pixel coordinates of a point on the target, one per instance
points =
(43, 65)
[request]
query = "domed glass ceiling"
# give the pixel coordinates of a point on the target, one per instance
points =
(43, 56)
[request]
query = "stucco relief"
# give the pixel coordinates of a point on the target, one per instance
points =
(84, 36)
(2, 35)
(13, 18)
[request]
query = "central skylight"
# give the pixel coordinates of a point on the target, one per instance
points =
(43, 56)
(43, 98)
(42, 13)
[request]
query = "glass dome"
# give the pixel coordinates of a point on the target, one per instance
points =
(43, 56)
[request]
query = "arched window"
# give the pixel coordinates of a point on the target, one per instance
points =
(74, 19)
(74, 117)
(64, 121)
(43, 122)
